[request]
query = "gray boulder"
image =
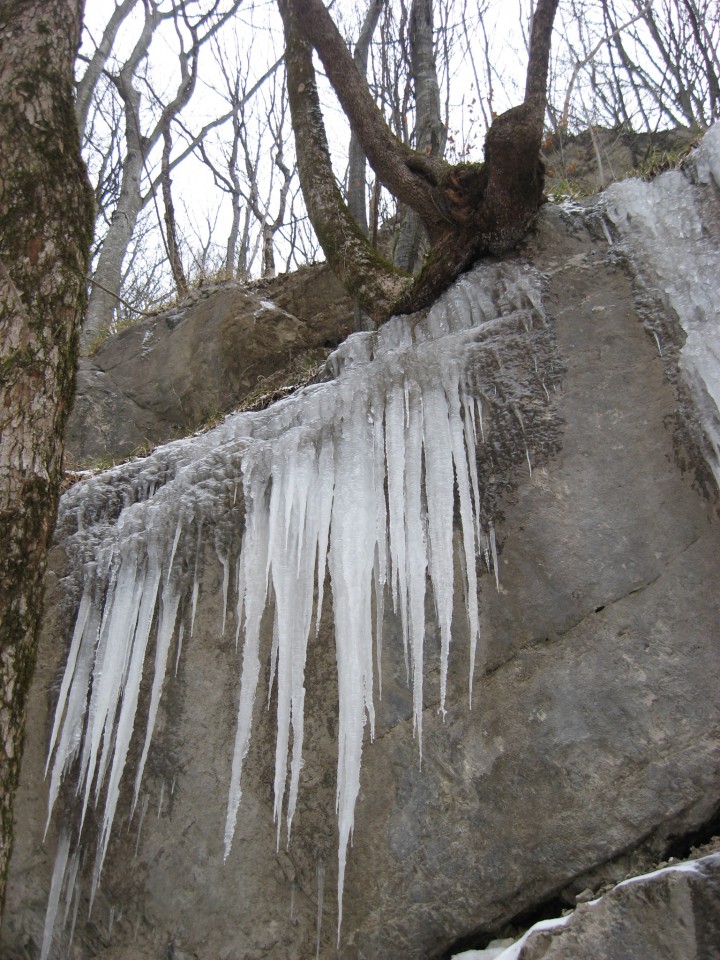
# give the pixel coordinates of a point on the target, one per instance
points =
(168, 375)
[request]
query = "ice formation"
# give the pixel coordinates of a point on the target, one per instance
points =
(364, 476)
(671, 230)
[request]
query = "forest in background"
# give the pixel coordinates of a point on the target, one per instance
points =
(188, 137)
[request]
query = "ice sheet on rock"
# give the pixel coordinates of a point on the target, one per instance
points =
(675, 245)
(357, 477)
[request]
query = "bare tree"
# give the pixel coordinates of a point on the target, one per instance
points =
(430, 131)
(467, 210)
(639, 64)
(357, 164)
(45, 230)
(130, 80)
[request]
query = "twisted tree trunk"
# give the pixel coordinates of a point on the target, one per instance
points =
(46, 222)
(468, 211)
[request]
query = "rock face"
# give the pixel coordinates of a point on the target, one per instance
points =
(592, 741)
(166, 376)
(671, 914)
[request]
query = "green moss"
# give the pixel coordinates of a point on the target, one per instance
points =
(20, 359)
(658, 161)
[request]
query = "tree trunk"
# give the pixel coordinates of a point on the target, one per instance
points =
(108, 272)
(430, 132)
(171, 237)
(357, 164)
(86, 86)
(371, 281)
(468, 211)
(46, 222)
(406, 173)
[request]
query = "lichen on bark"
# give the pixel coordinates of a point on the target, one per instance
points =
(46, 222)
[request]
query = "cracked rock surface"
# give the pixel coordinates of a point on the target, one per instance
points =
(593, 735)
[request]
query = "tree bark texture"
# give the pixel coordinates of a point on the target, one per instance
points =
(410, 176)
(171, 234)
(46, 222)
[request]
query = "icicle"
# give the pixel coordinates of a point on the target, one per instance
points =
(225, 562)
(73, 922)
(141, 820)
(181, 631)
(493, 552)
(55, 890)
(357, 478)
(176, 540)
(320, 896)
(273, 660)
(196, 579)
(80, 623)
(416, 552)
(254, 561)
(395, 457)
(165, 631)
(72, 872)
(129, 704)
(439, 497)
(463, 441)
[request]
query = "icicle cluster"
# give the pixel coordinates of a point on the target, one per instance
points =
(670, 232)
(359, 476)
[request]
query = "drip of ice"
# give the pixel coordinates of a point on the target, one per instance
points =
(365, 476)
(669, 230)
(55, 889)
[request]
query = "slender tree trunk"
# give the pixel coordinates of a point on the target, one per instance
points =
(45, 233)
(357, 164)
(430, 132)
(173, 248)
(86, 86)
(108, 272)
(268, 251)
(235, 198)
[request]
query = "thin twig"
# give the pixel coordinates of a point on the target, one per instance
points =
(129, 306)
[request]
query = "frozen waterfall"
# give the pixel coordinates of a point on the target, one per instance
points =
(367, 477)
(380, 478)
(671, 230)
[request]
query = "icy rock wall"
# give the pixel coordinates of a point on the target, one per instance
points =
(368, 477)
(670, 228)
